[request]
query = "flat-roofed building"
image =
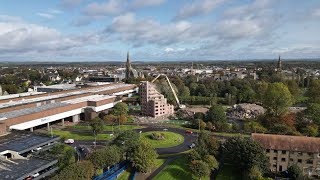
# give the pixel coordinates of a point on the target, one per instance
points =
(283, 151)
(152, 102)
(19, 158)
(27, 112)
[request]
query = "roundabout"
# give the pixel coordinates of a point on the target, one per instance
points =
(162, 139)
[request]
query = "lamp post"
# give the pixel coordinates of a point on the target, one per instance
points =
(51, 131)
(95, 138)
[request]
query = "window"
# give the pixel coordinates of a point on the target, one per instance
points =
(309, 161)
(275, 151)
(268, 150)
(299, 160)
(284, 152)
(291, 159)
(275, 165)
(299, 153)
(274, 158)
(283, 159)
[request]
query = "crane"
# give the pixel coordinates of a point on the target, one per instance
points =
(181, 106)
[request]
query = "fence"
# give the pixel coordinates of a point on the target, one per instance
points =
(110, 171)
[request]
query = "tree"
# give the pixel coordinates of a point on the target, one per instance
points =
(277, 99)
(143, 157)
(294, 172)
(310, 130)
(313, 92)
(65, 155)
(199, 168)
(106, 157)
(207, 145)
(120, 109)
(245, 154)
(253, 126)
(313, 112)
(185, 91)
(97, 125)
(82, 170)
(127, 141)
(217, 116)
(211, 162)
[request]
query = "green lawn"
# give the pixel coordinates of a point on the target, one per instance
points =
(125, 175)
(177, 169)
(228, 173)
(171, 139)
(159, 162)
(224, 134)
(80, 136)
(108, 127)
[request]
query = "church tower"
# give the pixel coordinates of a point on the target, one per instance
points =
(128, 67)
(279, 65)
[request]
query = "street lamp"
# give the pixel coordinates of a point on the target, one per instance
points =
(51, 131)
(95, 138)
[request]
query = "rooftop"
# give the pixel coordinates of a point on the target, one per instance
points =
(23, 141)
(22, 168)
(22, 112)
(290, 143)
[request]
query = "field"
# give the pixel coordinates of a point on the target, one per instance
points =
(177, 169)
(80, 135)
(171, 139)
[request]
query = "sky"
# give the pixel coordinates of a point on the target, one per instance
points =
(158, 30)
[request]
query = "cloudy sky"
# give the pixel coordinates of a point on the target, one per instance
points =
(103, 30)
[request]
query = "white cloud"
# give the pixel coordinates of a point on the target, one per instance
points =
(23, 37)
(146, 3)
(46, 15)
(316, 13)
(198, 7)
(49, 14)
(110, 7)
(149, 31)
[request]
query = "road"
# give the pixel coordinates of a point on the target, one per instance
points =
(188, 139)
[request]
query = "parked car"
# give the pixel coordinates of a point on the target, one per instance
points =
(69, 141)
(192, 145)
(189, 132)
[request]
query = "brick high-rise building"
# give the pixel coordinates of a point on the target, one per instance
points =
(152, 102)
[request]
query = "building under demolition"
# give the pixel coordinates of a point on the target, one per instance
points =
(153, 103)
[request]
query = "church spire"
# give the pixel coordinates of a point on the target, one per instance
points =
(128, 66)
(279, 66)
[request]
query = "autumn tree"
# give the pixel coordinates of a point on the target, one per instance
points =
(143, 157)
(217, 116)
(97, 125)
(277, 99)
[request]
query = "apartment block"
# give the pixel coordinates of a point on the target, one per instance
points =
(284, 151)
(152, 102)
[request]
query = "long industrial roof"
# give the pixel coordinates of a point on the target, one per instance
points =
(56, 96)
(31, 110)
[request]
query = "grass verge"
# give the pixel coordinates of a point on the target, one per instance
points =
(80, 135)
(171, 139)
(177, 169)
